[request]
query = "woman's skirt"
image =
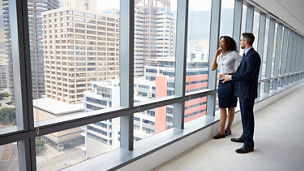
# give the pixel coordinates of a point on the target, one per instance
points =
(226, 94)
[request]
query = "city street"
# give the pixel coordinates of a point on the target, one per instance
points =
(52, 159)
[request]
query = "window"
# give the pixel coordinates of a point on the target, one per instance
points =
(8, 117)
(153, 121)
(227, 13)
(263, 62)
(195, 108)
(198, 45)
(9, 157)
(63, 73)
(75, 72)
(148, 60)
(256, 25)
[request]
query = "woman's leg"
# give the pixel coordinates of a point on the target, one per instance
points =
(230, 118)
(223, 114)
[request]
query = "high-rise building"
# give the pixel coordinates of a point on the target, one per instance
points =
(35, 8)
(7, 55)
(154, 32)
(3, 51)
(80, 46)
(3, 82)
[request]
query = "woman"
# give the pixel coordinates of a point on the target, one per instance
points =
(225, 58)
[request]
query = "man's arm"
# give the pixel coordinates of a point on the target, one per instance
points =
(253, 64)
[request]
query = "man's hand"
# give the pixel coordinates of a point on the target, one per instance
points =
(225, 78)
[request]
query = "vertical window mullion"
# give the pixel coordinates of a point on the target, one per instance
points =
(213, 45)
(237, 20)
(180, 61)
(22, 81)
(127, 71)
(249, 19)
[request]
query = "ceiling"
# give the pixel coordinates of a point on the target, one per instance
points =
(290, 11)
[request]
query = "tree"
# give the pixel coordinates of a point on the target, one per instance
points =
(39, 144)
(5, 94)
(7, 116)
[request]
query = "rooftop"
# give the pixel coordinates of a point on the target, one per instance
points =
(56, 107)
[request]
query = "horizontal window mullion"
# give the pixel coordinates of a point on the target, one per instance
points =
(60, 124)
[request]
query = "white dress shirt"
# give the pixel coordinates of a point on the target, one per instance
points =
(226, 63)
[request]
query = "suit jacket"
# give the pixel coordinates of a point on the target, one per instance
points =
(247, 75)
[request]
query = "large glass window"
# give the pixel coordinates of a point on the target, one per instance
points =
(227, 12)
(154, 49)
(198, 45)
(243, 25)
(74, 56)
(197, 54)
(74, 48)
(244, 15)
(9, 157)
(274, 48)
(152, 121)
(256, 24)
(62, 149)
(282, 51)
(195, 108)
(263, 65)
(7, 87)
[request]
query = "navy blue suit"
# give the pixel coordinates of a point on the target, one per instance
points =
(246, 86)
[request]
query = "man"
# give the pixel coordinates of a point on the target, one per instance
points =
(246, 85)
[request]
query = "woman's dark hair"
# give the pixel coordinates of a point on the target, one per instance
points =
(230, 43)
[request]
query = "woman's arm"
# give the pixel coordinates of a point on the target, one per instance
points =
(214, 64)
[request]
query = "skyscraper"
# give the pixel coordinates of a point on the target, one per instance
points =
(3, 52)
(153, 32)
(6, 47)
(35, 8)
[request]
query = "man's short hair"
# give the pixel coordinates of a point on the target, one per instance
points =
(249, 37)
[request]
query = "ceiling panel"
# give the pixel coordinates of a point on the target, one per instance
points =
(290, 11)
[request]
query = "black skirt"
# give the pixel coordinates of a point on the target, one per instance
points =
(226, 94)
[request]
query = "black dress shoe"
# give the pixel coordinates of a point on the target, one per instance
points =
(244, 149)
(218, 136)
(239, 140)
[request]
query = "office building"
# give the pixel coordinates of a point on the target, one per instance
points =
(79, 47)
